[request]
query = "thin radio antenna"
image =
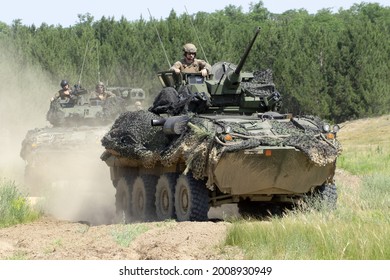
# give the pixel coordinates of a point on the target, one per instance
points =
(98, 61)
(159, 38)
(196, 34)
(82, 66)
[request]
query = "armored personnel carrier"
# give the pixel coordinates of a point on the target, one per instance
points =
(210, 142)
(64, 150)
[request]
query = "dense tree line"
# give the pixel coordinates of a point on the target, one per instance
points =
(335, 65)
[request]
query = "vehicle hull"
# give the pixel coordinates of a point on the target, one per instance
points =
(285, 171)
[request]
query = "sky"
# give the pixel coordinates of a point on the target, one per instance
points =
(65, 13)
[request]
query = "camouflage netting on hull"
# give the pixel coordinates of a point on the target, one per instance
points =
(132, 136)
(309, 140)
(262, 83)
(263, 86)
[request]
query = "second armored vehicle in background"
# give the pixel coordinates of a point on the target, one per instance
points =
(66, 150)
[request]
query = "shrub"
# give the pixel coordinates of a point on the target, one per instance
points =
(14, 207)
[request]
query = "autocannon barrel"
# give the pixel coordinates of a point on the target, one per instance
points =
(246, 53)
(159, 122)
(172, 125)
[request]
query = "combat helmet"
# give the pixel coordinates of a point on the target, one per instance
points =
(189, 48)
(64, 83)
(100, 84)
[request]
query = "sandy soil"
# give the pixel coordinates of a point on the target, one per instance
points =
(49, 239)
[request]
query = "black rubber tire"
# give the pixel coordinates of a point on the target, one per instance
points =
(165, 197)
(191, 199)
(123, 198)
(143, 198)
(327, 193)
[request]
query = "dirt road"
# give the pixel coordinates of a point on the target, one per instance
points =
(50, 239)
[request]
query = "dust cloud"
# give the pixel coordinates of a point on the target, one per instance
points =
(81, 189)
(25, 92)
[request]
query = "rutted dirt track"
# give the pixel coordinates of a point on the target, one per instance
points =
(53, 239)
(50, 238)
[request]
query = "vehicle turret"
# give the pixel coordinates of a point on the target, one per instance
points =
(81, 109)
(228, 88)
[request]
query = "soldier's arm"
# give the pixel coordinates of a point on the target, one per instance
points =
(110, 94)
(204, 65)
(176, 67)
(55, 97)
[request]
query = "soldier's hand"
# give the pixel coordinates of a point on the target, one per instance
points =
(177, 70)
(204, 72)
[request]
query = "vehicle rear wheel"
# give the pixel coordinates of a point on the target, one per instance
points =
(165, 194)
(143, 198)
(123, 198)
(191, 199)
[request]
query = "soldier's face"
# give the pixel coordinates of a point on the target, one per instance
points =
(190, 56)
(100, 89)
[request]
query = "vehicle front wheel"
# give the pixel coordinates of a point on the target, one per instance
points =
(191, 199)
(123, 198)
(323, 197)
(143, 198)
(328, 195)
(165, 194)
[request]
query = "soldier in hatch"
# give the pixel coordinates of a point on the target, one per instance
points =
(101, 93)
(190, 64)
(64, 93)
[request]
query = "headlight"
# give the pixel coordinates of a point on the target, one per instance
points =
(223, 129)
(326, 127)
(336, 128)
(228, 129)
(219, 129)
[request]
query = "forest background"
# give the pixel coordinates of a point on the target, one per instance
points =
(334, 65)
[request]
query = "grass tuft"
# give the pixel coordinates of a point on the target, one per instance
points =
(14, 207)
(125, 234)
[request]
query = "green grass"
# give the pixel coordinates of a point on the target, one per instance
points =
(366, 146)
(53, 246)
(125, 234)
(18, 256)
(350, 233)
(14, 207)
(359, 229)
(372, 159)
